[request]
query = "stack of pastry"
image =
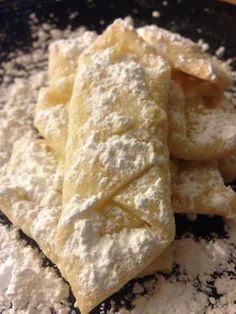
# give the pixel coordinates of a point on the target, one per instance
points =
(135, 126)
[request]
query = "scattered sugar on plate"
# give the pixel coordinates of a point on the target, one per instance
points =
(220, 52)
(156, 14)
(204, 46)
(25, 285)
(189, 289)
(204, 274)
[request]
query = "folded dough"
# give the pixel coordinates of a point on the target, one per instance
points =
(31, 191)
(52, 119)
(33, 203)
(143, 192)
(193, 88)
(51, 109)
(200, 128)
(116, 219)
(186, 56)
(163, 263)
(129, 197)
(198, 187)
(117, 132)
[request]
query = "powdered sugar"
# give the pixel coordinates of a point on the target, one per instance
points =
(44, 291)
(163, 34)
(25, 286)
(156, 14)
(71, 48)
(150, 193)
(109, 150)
(204, 280)
(213, 124)
(107, 251)
(171, 297)
(12, 97)
(220, 51)
(54, 119)
(128, 150)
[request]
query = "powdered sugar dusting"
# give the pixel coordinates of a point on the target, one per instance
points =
(54, 119)
(212, 124)
(204, 280)
(71, 48)
(126, 149)
(43, 290)
(86, 245)
(25, 285)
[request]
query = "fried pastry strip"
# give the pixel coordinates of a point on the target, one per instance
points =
(117, 132)
(198, 188)
(200, 128)
(186, 56)
(51, 109)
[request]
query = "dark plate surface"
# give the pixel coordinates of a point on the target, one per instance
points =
(211, 20)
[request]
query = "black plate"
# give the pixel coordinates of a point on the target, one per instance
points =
(211, 20)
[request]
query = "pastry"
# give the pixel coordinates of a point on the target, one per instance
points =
(117, 132)
(199, 128)
(51, 109)
(198, 187)
(186, 56)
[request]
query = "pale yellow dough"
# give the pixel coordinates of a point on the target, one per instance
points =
(163, 263)
(40, 204)
(186, 56)
(135, 200)
(193, 88)
(132, 120)
(31, 192)
(198, 188)
(51, 109)
(200, 128)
